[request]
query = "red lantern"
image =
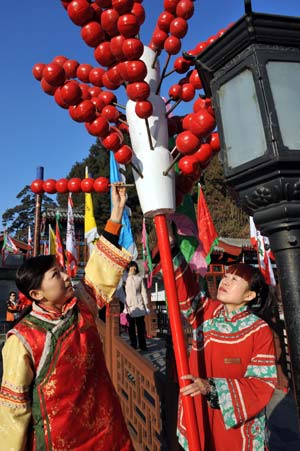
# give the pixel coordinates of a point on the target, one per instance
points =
(103, 54)
(132, 48)
(70, 93)
(203, 154)
(49, 186)
(195, 79)
(59, 100)
(84, 112)
(74, 185)
(37, 71)
(116, 47)
(123, 155)
(188, 92)
(187, 142)
(80, 12)
(139, 12)
(158, 38)
(164, 20)
(85, 94)
(92, 34)
(187, 165)
(101, 185)
(110, 113)
(70, 68)
(54, 74)
(87, 185)
(83, 71)
(109, 20)
(175, 92)
(133, 71)
(112, 141)
(37, 186)
(122, 6)
(107, 97)
(48, 89)
(170, 5)
(185, 9)
(200, 47)
(99, 127)
(128, 25)
(59, 59)
(138, 91)
(108, 84)
(214, 141)
(143, 109)
(62, 186)
(203, 123)
(95, 76)
(178, 27)
(172, 45)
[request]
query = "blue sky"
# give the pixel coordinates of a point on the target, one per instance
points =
(34, 130)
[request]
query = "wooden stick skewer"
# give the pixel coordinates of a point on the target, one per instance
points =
(149, 134)
(173, 107)
(122, 185)
(136, 169)
(166, 172)
(163, 74)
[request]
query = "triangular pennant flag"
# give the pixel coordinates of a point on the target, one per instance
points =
(126, 239)
(71, 250)
(262, 246)
(90, 226)
(207, 233)
(59, 251)
(147, 259)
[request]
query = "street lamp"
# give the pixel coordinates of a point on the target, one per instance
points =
(252, 73)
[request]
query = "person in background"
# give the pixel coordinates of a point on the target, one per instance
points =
(12, 307)
(136, 306)
(56, 392)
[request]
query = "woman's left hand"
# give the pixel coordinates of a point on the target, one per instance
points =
(118, 197)
(197, 386)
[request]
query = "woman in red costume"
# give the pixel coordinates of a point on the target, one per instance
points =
(232, 362)
(56, 392)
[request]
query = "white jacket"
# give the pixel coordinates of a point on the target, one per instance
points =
(136, 296)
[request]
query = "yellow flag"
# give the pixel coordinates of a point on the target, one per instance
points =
(52, 246)
(90, 227)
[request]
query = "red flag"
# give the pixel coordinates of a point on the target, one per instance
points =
(207, 233)
(71, 251)
(59, 251)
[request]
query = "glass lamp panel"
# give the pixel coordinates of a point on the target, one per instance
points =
(285, 86)
(241, 119)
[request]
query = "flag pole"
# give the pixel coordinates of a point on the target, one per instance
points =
(176, 329)
(37, 218)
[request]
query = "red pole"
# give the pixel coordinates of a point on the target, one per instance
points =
(176, 329)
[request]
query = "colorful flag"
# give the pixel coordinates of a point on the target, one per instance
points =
(71, 250)
(8, 246)
(187, 235)
(29, 242)
(52, 242)
(262, 245)
(90, 227)
(207, 233)
(126, 239)
(147, 259)
(59, 250)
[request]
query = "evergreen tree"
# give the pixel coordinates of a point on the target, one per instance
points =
(228, 217)
(17, 219)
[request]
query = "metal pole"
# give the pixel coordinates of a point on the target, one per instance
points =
(176, 329)
(37, 218)
(285, 245)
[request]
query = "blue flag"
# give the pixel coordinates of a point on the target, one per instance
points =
(126, 239)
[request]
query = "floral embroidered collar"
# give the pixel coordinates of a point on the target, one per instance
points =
(235, 314)
(49, 313)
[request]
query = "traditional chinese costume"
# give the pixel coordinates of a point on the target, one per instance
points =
(235, 352)
(56, 392)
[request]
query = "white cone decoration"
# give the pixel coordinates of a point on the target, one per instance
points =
(156, 191)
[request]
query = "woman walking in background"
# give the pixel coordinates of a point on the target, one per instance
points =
(136, 306)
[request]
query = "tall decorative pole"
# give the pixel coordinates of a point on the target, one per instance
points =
(37, 218)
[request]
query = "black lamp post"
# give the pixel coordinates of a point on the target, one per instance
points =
(252, 73)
